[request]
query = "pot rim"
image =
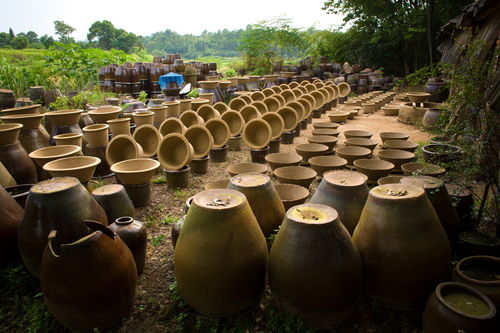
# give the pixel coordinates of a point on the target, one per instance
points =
(330, 215)
(94, 162)
(155, 165)
(460, 273)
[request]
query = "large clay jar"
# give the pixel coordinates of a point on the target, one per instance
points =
(481, 273)
(440, 200)
(404, 249)
(114, 200)
(12, 214)
(55, 204)
(134, 234)
(221, 254)
(314, 267)
(64, 121)
(455, 307)
(262, 197)
(32, 136)
(88, 283)
(346, 192)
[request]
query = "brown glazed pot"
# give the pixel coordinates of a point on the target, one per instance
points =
(455, 307)
(12, 214)
(17, 162)
(134, 234)
(262, 197)
(404, 254)
(346, 192)
(114, 200)
(32, 136)
(95, 274)
(440, 200)
(314, 267)
(56, 204)
(221, 254)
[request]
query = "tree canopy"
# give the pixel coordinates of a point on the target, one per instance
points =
(64, 31)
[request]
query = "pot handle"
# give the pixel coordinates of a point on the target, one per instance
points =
(51, 237)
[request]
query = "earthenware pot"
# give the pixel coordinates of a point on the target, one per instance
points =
(135, 171)
(7, 99)
(159, 114)
(148, 137)
(245, 167)
(373, 169)
(308, 150)
(220, 132)
(56, 204)
(122, 147)
(259, 155)
(222, 221)
(139, 194)
(133, 233)
(104, 113)
(190, 118)
(352, 153)
(88, 260)
(12, 215)
(119, 126)
(441, 153)
(290, 118)
(175, 152)
(455, 307)
(234, 143)
(143, 117)
(272, 103)
(33, 108)
(314, 267)
(291, 194)
(418, 97)
(235, 122)
(275, 120)
(47, 154)
(401, 265)
(97, 135)
(389, 180)
(401, 145)
(197, 102)
(361, 142)
(201, 139)
(393, 136)
(257, 133)
(297, 175)
(13, 156)
(32, 135)
(463, 203)
(9, 133)
(72, 139)
(440, 200)
(357, 134)
(114, 200)
(323, 164)
(396, 157)
(80, 167)
(217, 184)
(173, 109)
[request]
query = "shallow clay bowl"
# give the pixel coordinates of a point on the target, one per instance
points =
(352, 153)
(396, 157)
(418, 97)
(297, 175)
(357, 134)
(401, 145)
(338, 116)
(425, 169)
(393, 136)
(278, 160)
(135, 171)
(244, 167)
(51, 153)
(291, 194)
(389, 180)
(102, 114)
(325, 124)
(325, 131)
(80, 167)
(361, 142)
(373, 169)
(322, 164)
(390, 110)
(326, 140)
(221, 183)
(308, 150)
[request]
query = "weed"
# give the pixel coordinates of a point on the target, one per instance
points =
(180, 193)
(150, 221)
(169, 220)
(157, 240)
(162, 179)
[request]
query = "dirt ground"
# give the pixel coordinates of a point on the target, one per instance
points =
(154, 309)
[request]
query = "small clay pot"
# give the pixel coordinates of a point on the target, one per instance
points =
(175, 152)
(396, 157)
(287, 137)
(73, 139)
(352, 153)
(184, 105)
(272, 103)
(322, 164)
(278, 160)
(326, 131)
(80, 167)
(207, 112)
(425, 169)
(140, 195)
(134, 235)
(249, 112)
(361, 142)
(221, 107)
(178, 178)
(327, 140)
(290, 118)
(259, 155)
(326, 125)
(217, 184)
(159, 114)
(104, 113)
(401, 145)
(208, 96)
(172, 125)
(257, 134)
(418, 97)
(190, 118)
(201, 139)
(143, 118)
(291, 194)
(235, 122)
(257, 96)
(357, 134)
(373, 169)
(135, 171)
(96, 135)
(338, 116)
(9, 133)
(308, 150)
(260, 106)
(441, 153)
(295, 175)
(148, 137)
(122, 147)
(218, 154)
(237, 104)
(51, 153)
(275, 120)
(244, 167)
(220, 132)
(114, 200)
(389, 180)
(393, 136)
(199, 165)
(196, 103)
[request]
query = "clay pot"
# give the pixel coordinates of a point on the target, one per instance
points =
(401, 265)
(373, 169)
(104, 113)
(322, 164)
(222, 221)
(390, 110)
(327, 125)
(249, 112)
(431, 118)
(257, 96)
(175, 152)
(55, 204)
(190, 118)
(291, 195)
(441, 153)
(314, 267)
(262, 197)
(257, 133)
(290, 118)
(184, 105)
(201, 139)
(44, 155)
(135, 171)
(143, 118)
(278, 160)
(32, 135)
(172, 125)
(440, 200)
(121, 148)
(72, 139)
(418, 97)
(237, 104)
(7, 99)
(207, 112)
(425, 169)
(389, 180)
(114, 200)
(326, 131)
(199, 165)
(220, 132)
(346, 191)
(97, 135)
(159, 114)
(89, 260)
(119, 126)
(12, 214)
(360, 142)
(235, 122)
(133, 233)
(472, 243)
(6, 178)
(173, 109)
(9, 133)
(16, 164)
(357, 134)
(352, 153)
(327, 140)
(295, 175)
(401, 145)
(221, 107)
(244, 167)
(308, 150)
(27, 109)
(272, 103)
(80, 167)
(276, 122)
(148, 137)
(338, 116)
(396, 157)
(455, 307)
(196, 103)
(210, 97)
(218, 184)
(393, 136)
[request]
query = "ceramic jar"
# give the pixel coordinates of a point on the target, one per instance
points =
(12, 214)
(95, 273)
(134, 234)
(64, 121)
(114, 200)
(314, 267)
(404, 254)
(221, 254)
(14, 157)
(56, 204)
(455, 307)
(262, 197)
(160, 114)
(32, 136)
(346, 192)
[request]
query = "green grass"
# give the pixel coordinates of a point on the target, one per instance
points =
(23, 58)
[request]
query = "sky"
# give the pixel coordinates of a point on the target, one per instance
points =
(144, 17)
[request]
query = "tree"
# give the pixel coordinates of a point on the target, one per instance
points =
(11, 33)
(47, 41)
(20, 42)
(63, 31)
(4, 39)
(32, 37)
(104, 31)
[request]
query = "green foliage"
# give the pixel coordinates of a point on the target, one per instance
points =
(157, 240)
(422, 75)
(19, 42)
(109, 37)
(20, 78)
(81, 100)
(143, 96)
(160, 180)
(64, 31)
(169, 220)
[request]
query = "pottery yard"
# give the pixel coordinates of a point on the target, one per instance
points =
(301, 189)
